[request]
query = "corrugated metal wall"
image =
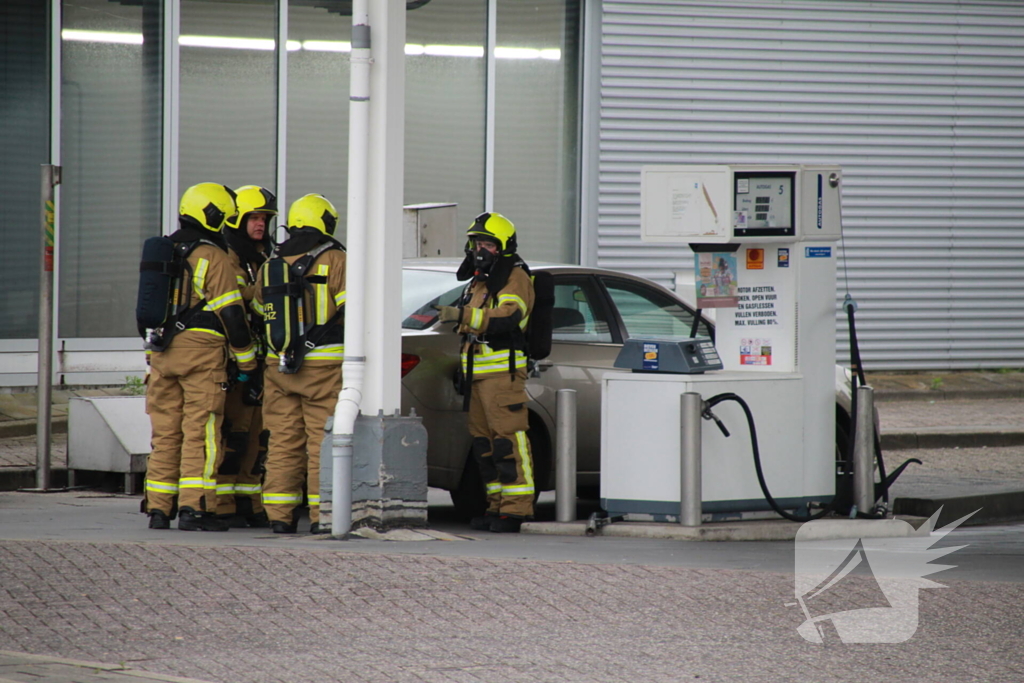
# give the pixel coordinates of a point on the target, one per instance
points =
(921, 103)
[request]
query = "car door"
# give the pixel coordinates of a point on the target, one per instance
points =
(584, 345)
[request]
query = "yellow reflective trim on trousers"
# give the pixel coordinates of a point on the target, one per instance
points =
(191, 483)
(321, 295)
(161, 486)
(225, 489)
(512, 297)
(199, 278)
(476, 318)
(257, 307)
(248, 489)
(340, 298)
(282, 498)
(234, 296)
(313, 500)
(211, 450)
(526, 459)
(330, 351)
(494, 487)
(516, 490)
(245, 356)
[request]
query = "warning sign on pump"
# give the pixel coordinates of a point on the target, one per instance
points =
(757, 306)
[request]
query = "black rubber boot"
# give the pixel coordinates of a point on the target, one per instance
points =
(483, 523)
(318, 528)
(258, 521)
(506, 525)
(189, 520)
(158, 520)
(283, 527)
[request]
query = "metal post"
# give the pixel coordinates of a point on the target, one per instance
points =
(565, 456)
(44, 392)
(690, 496)
(863, 451)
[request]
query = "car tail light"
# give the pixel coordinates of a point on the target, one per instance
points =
(409, 361)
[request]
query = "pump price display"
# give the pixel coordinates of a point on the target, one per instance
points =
(765, 203)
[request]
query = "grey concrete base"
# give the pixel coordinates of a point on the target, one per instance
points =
(389, 472)
(768, 530)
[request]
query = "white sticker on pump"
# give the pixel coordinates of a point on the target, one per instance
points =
(756, 351)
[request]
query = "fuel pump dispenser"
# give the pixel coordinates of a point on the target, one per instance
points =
(763, 239)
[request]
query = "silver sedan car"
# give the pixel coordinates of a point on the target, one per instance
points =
(594, 311)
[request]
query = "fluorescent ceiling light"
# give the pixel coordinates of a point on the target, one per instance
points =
(268, 44)
(326, 45)
(102, 37)
(229, 43)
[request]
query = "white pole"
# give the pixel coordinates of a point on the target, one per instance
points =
(354, 365)
(565, 455)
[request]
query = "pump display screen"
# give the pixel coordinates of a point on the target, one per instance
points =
(764, 204)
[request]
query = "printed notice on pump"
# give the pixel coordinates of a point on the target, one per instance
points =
(758, 306)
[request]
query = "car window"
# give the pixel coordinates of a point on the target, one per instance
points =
(424, 289)
(573, 318)
(648, 312)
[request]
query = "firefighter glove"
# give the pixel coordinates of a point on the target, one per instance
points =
(449, 314)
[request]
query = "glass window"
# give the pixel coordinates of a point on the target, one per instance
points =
(574, 318)
(110, 149)
(25, 140)
(318, 90)
(228, 105)
(445, 106)
(536, 137)
(648, 312)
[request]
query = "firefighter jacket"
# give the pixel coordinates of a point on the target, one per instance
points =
(321, 300)
(494, 325)
(213, 279)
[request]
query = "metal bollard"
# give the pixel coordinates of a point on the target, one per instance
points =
(50, 177)
(690, 496)
(863, 451)
(565, 455)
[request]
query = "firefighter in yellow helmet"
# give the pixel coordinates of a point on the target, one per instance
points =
(188, 366)
(492, 317)
(240, 476)
(302, 300)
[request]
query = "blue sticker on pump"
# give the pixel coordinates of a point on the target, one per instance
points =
(818, 252)
(650, 356)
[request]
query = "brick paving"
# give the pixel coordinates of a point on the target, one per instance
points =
(256, 614)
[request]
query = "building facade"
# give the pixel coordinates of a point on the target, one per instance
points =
(544, 110)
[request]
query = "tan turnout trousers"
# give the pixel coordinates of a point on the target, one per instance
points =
(185, 401)
(295, 410)
(237, 476)
(498, 422)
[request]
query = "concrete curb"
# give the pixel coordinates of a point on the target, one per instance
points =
(952, 437)
(761, 530)
(58, 669)
(992, 508)
(894, 396)
(11, 428)
(17, 478)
